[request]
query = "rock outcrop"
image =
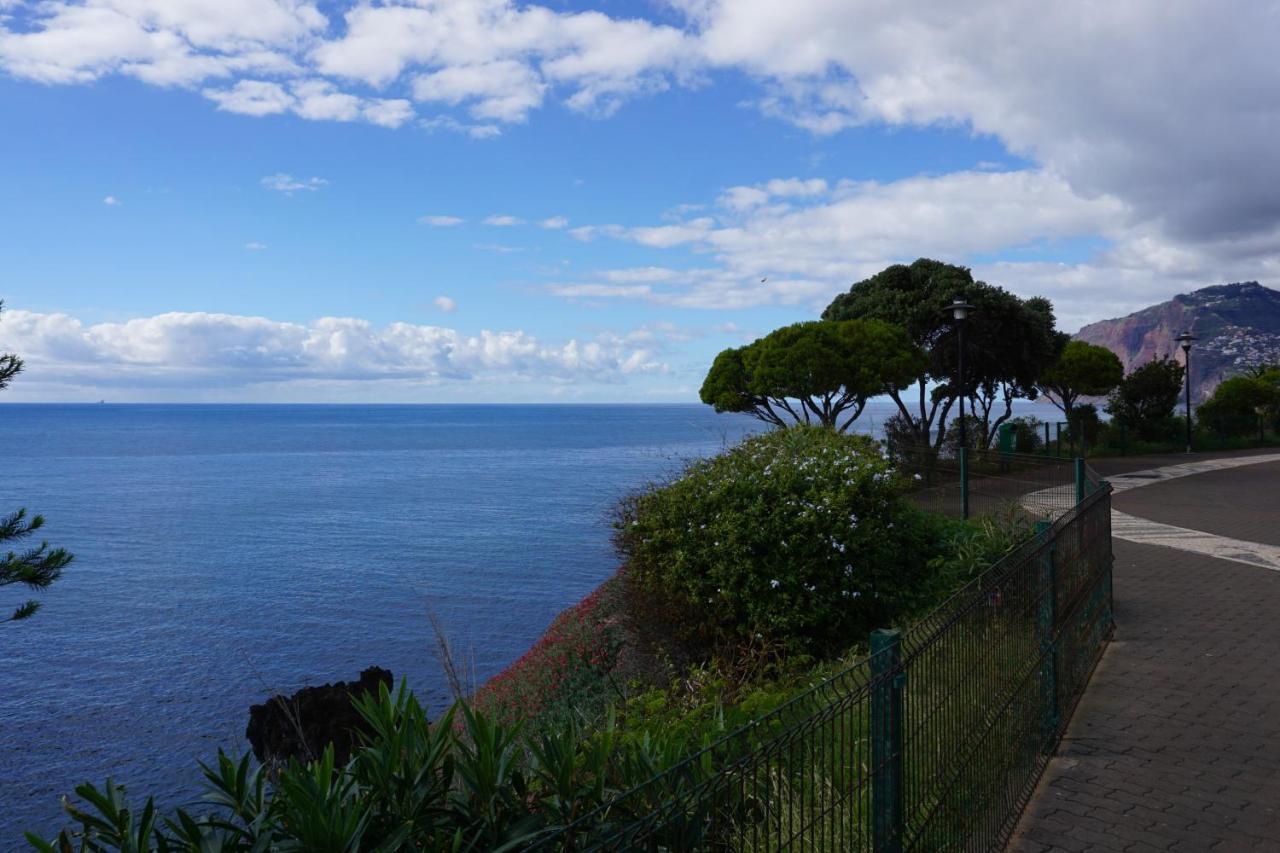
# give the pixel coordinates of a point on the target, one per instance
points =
(301, 725)
(1238, 326)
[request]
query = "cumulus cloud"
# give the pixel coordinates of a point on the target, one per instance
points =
(495, 59)
(439, 221)
(445, 304)
(313, 99)
(502, 220)
(554, 222)
(804, 251)
(288, 184)
(112, 201)
(1169, 108)
(255, 246)
(197, 350)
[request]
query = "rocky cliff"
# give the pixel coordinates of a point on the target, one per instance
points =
(1238, 326)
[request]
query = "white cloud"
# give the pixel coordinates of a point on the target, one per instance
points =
(554, 223)
(314, 99)
(255, 246)
(1110, 99)
(445, 304)
(386, 112)
(497, 248)
(493, 58)
(503, 91)
(502, 220)
(288, 184)
(164, 42)
(449, 123)
(112, 201)
(190, 351)
(438, 221)
(252, 97)
(807, 250)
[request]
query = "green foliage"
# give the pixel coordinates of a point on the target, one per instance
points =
(35, 567)
(1238, 405)
(462, 783)
(975, 545)
(1080, 370)
(1144, 400)
(1008, 341)
(814, 372)
(1028, 434)
(800, 536)
(1085, 425)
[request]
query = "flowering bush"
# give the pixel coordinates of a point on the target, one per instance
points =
(568, 668)
(800, 536)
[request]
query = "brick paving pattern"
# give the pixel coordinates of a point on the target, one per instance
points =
(1176, 744)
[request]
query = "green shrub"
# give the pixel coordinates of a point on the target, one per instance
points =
(1237, 406)
(1085, 424)
(800, 537)
(1028, 434)
(464, 782)
(974, 546)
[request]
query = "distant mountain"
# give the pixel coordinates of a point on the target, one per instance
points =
(1238, 326)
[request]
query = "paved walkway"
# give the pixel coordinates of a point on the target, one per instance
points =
(1176, 743)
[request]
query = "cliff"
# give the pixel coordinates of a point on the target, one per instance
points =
(1238, 326)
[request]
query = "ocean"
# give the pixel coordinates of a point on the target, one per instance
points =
(225, 553)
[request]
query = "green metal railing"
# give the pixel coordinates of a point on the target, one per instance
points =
(934, 742)
(975, 482)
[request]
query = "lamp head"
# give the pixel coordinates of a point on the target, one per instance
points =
(960, 309)
(1185, 340)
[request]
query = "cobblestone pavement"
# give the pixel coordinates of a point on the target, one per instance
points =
(1176, 743)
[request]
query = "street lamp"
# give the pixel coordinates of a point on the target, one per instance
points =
(960, 312)
(1185, 340)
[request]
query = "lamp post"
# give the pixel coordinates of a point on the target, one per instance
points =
(960, 312)
(1185, 340)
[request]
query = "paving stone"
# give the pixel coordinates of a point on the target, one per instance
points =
(1176, 743)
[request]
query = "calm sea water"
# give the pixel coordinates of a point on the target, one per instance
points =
(224, 553)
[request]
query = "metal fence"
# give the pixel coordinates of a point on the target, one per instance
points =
(976, 482)
(932, 743)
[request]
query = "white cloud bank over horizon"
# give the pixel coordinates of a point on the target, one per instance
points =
(197, 355)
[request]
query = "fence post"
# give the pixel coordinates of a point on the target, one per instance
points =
(1110, 558)
(886, 740)
(1046, 629)
(964, 482)
(1080, 480)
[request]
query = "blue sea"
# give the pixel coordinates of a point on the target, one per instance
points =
(225, 553)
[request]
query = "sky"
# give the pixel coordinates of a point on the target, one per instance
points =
(489, 201)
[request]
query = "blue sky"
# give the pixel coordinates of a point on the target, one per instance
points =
(256, 200)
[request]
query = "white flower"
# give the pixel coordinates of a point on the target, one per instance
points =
(773, 584)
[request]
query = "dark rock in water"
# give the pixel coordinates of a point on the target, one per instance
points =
(301, 725)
